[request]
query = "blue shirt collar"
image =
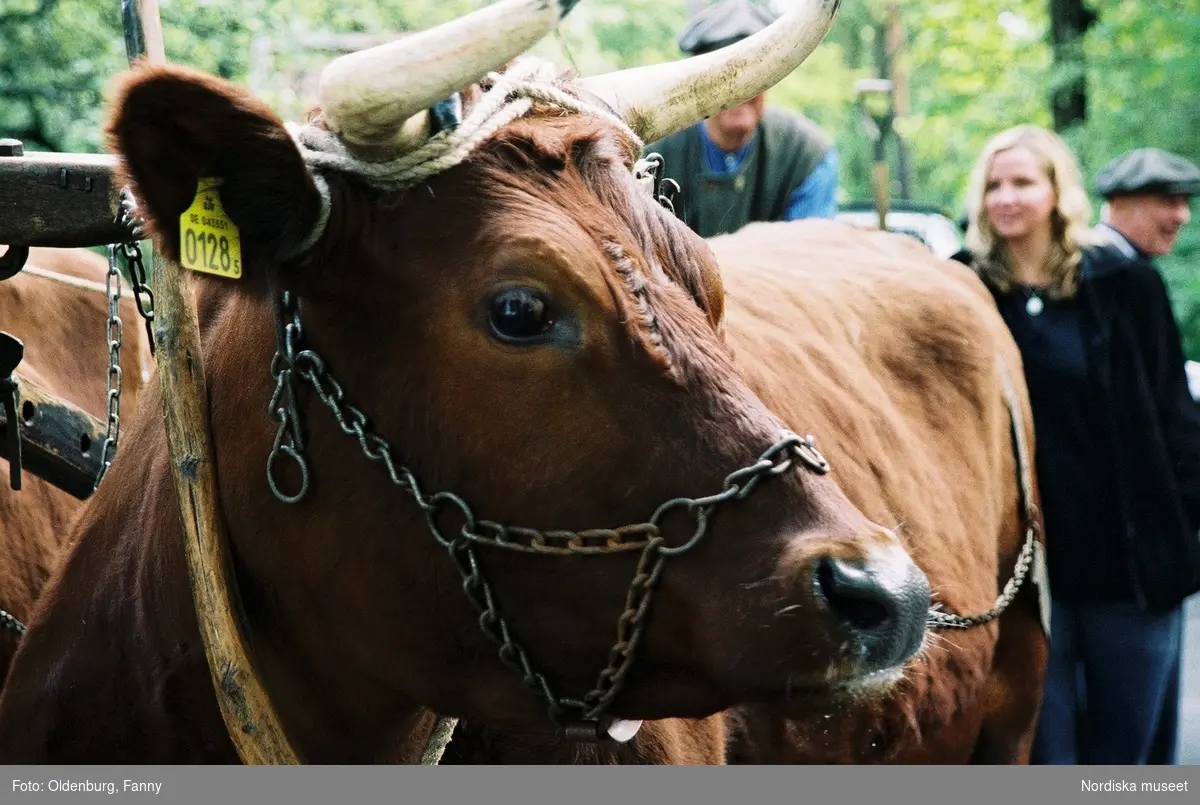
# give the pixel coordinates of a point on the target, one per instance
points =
(719, 160)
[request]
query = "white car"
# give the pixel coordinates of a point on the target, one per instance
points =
(1193, 376)
(926, 224)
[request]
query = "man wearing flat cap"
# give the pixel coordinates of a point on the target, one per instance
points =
(1148, 192)
(748, 163)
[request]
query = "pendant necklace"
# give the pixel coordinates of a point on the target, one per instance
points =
(1034, 305)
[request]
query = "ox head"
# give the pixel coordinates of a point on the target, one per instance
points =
(531, 331)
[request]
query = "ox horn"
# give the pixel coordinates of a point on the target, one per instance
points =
(661, 99)
(377, 99)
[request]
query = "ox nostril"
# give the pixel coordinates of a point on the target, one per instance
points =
(883, 604)
(855, 595)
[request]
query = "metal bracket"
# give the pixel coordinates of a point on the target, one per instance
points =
(649, 173)
(12, 350)
(12, 261)
(445, 115)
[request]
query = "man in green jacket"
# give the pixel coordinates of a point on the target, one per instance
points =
(748, 163)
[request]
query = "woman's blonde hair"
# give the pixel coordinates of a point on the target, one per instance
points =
(1069, 229)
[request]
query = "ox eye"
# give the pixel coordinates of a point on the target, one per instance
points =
(520, 314)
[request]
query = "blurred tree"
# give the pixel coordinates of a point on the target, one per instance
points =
(1069, 21)
(55, 56)
(973, 68)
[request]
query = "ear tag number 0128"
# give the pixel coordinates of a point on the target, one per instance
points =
(208, 239)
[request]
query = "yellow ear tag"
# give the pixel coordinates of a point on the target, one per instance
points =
(208, 239)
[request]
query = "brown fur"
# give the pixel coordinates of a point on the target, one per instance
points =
(64, 330)
(897, 355)
(356, 614)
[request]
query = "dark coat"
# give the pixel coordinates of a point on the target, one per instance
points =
(1136, 357)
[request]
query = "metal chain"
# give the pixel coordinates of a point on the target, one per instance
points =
(650, 171)
(132, 252)
(1031, 521)
(11, 623)
(946, 620)
(112, 287)
(290, 361)
(289, 437)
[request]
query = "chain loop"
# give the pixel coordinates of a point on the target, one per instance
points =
(112, 288)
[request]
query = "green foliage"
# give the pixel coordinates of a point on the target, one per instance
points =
(971, 67)
(55, 56)
(1143, 82)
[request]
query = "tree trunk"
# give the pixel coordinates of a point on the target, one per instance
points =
(1069, 21)
(896, 71)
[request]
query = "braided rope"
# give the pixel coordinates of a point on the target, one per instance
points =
(525, 87)
(12, 623)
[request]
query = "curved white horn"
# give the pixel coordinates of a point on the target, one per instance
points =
(368, 96)
(661, 99)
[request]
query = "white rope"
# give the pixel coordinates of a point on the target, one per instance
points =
(75, 282)
(318, 228)
(524, 87)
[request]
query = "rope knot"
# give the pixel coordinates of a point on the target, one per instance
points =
(527, 85)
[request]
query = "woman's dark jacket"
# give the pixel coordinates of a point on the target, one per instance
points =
(1148, 427)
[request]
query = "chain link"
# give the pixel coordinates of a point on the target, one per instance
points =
(947, 620)
(132, 252)
(650, 172)
(112, 288)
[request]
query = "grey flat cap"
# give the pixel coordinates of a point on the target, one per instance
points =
(1148, 170)
(723, 24)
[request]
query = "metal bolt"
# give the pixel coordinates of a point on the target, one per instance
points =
(11, 148)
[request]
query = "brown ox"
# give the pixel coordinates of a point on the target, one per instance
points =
(895, 366)
(528, 329)
(890, 354)
(64, 326)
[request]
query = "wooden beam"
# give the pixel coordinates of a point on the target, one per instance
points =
(64, 200)
(250, 717)
(60, 442)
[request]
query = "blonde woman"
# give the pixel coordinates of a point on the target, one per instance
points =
(1118, 445)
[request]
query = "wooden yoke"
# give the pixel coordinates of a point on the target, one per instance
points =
(57, 439)
(250, 718)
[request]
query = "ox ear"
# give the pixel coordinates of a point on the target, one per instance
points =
(172, 126)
